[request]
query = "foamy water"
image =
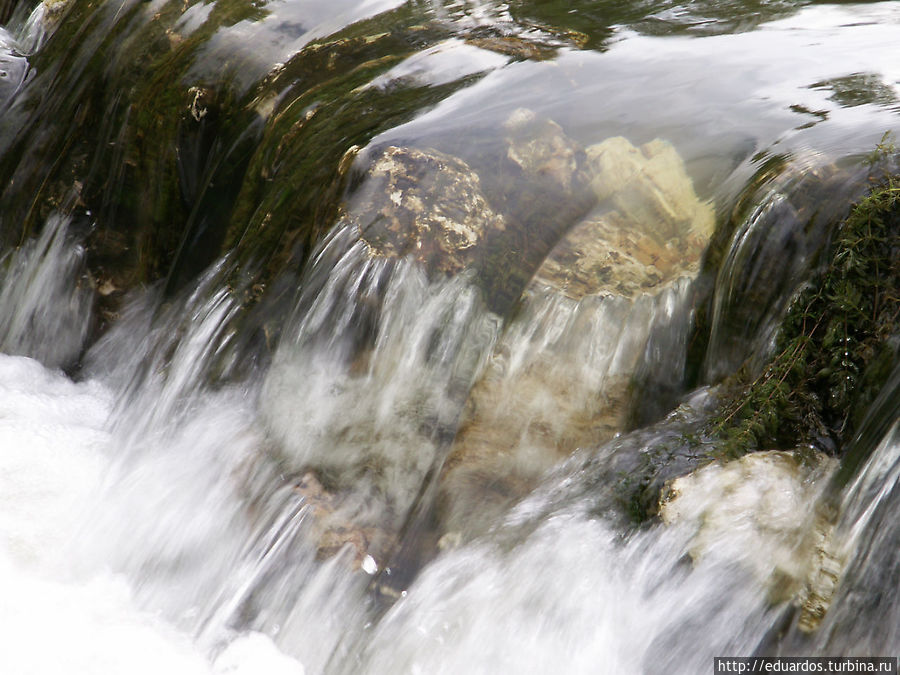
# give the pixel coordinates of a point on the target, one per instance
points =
(61, 613)
(150, 523)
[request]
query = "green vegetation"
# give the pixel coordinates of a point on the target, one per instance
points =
(836, 345)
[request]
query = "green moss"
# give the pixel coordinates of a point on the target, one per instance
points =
(833, 352)
(296, 177)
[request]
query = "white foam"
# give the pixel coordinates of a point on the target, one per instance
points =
(59, 614)
(252, 654)
(51, 441)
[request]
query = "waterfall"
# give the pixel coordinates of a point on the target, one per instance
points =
(388, 337)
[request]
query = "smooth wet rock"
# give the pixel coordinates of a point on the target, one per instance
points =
(425, 204)
(560, 378)
(650, 227)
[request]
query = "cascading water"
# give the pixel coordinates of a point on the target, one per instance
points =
(429, 337)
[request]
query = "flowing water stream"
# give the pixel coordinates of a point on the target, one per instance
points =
(384, 337)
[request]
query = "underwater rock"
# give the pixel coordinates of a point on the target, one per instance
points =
(332, 531)
(538, 178)
(431, 207)
(560, 376)
(425, 204)
(519, 421)
(760, 513)
(650, 187)
(649, 229)
(501, 217)
(542, 151)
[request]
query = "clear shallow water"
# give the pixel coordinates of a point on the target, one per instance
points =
(155, 517)
(821, 81)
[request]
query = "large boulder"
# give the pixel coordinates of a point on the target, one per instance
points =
(559, 378)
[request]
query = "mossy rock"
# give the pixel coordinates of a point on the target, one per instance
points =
(836, 345)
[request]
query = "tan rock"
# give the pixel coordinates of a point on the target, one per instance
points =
(650, 188)
(515, 429)
(650, 228)
(560, 376)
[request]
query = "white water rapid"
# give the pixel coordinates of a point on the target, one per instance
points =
(143, 530)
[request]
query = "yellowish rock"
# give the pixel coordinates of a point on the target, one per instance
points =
(650, 227)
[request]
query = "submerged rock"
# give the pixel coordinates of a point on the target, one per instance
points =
(650, 187)
(542, 151)
(499, 214)
(538, 178)
(650, 227)
(592, 299)
(560, 376)
(425, 204)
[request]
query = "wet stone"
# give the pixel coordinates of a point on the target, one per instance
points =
(649, 229)
(560, 378)
(758, 512)
(425, 204)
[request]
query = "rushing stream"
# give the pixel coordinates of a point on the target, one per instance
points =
(381, 337)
